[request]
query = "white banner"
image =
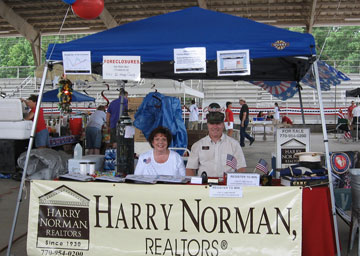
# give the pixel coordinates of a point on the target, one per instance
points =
(190, 60)
(77, 63)
(233, 63)
(93, 218)
(121, 68)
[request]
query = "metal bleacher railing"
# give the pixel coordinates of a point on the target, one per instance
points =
(21, 84)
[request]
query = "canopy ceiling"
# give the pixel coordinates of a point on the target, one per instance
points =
(46, 16)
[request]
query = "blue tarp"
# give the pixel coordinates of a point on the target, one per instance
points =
(51, 96)
(274, 51)
(159, 110)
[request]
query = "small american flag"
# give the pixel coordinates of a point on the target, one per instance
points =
(347, 135)
(147, 161)
(263, 166)
(340, 114)
(231, 161)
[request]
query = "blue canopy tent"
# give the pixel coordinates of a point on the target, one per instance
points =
(51, 96)
(275, 54)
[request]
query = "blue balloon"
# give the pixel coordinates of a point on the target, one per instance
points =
(69, 1)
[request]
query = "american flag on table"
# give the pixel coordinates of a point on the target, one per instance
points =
(263, 166)
(231, 161)
(347, 135)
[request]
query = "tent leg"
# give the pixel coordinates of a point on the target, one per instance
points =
(326, 144)
(301, 102)
(32, 136)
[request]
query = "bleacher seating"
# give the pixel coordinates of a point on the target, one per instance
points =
(214, 91)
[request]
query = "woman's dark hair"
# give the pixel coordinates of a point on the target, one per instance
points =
(277, 105)
(228, 103)
(260, 114)
(162, 130)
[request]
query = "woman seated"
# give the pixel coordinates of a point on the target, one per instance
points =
(160, 160)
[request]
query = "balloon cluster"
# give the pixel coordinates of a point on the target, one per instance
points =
(86, 9)
(65, 95)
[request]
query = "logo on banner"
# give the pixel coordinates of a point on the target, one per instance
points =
(63, 220)
(280, 44)
(340, 162)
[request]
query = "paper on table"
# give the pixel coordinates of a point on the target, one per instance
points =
(129, 131)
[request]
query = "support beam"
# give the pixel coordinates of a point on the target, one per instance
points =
(312, 17)
(202, 4)
(24, 28)
(108, 19)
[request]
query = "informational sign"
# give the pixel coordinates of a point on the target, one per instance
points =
(99, 218)
(288, 142)
(77, 63)
(225, 191)
(190, 60)
(233, 63)
(122, 68)
(242, 179)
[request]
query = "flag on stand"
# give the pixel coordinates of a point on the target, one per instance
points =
(340, 114)
(347, 135)
(263, 166)
(231, 161)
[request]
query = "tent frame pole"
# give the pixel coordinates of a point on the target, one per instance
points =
(301, 102)
(327, 157)
(31, 141)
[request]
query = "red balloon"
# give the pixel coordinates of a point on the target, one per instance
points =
(88, 9)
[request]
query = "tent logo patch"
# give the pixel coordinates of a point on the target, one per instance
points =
(63, 221)
(280, 44)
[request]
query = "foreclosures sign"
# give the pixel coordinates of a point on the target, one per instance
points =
(74, 218)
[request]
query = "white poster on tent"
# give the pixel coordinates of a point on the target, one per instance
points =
(77, 62)
(233, 63)
(190, 60)
(121, 68)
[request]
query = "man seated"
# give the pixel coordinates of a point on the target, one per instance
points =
(216, 153)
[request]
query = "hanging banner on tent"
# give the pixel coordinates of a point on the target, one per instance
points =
(190, 60)
(121, 68)
(77, 63)
(95, 218)
(233, 63)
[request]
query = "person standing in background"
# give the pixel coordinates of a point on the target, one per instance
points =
(41, 132)
(93, 131)
(194, 116)
(244, 122)
(276, 113)
(229, 119)
(349, 112)
(113, 114)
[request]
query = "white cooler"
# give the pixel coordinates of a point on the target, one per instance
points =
(12, 123)
(74, 164)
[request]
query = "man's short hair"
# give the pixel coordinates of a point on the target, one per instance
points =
(228, 103)
(192, 101)
(33, 98)
(242, 99)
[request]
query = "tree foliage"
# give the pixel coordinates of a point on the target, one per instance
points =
(338, 46)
